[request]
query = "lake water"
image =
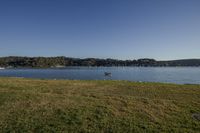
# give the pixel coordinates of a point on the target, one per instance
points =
(180, 75)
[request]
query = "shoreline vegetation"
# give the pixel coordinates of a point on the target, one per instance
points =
(61, 62)
(35, 105)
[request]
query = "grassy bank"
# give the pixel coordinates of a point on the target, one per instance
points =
(28, 105)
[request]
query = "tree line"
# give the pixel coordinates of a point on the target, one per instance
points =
(61, 61)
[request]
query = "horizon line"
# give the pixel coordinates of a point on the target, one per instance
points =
(101, 58)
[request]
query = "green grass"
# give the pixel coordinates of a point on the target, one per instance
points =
(29, 105)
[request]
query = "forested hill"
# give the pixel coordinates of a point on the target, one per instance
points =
(47, 62)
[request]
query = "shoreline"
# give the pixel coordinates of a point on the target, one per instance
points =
(53, 79)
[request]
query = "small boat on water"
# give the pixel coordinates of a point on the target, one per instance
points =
(2, 68)
(107, 74)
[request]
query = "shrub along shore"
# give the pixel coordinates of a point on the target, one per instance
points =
(34, 105)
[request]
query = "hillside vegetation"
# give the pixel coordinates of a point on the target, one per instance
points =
(46, 62)
(30, 105)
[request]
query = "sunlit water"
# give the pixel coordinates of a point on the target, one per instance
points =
(180, 75)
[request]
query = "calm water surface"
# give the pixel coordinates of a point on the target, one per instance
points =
(180, 75)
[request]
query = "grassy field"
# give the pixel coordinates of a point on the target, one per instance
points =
(29, 105)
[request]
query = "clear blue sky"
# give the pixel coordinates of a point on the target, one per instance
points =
(122, 29)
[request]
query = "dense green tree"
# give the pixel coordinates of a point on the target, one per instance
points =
(47, 62)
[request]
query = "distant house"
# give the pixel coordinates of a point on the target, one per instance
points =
(57, 66)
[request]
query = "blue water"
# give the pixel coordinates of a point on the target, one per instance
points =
(179, 75)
